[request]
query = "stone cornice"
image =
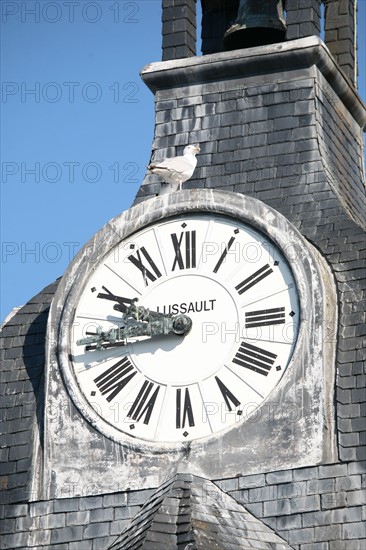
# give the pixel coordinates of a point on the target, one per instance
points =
(291, 55)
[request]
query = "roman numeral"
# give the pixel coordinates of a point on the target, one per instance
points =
(188, 259)
(254, 279)
(256, 359)
(227, 395)
(113, 380)
(184, 410)
(138, 262)
(265, 317)
(144, 402)
(223, 255)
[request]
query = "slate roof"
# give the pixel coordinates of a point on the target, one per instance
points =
(22, 360)
(191, 513)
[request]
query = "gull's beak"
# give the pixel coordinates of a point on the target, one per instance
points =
(198, 148)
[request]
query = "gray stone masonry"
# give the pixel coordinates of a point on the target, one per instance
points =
(74, 523)
(320, 507)
(340, 34)
(22, 352)
(302, 18)
(179, 29)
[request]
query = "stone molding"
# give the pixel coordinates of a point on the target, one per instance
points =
(296, 54)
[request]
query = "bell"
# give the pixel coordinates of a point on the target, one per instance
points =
(258, 22)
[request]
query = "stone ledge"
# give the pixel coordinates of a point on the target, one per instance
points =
(286, 56)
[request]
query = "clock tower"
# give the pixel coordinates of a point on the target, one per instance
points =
(200, 380)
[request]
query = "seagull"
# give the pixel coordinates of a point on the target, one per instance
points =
(176, 170)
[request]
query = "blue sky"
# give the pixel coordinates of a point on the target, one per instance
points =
(77, 127)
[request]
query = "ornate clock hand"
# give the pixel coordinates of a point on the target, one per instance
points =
(140, 313)
(165, 324)
(111, 336)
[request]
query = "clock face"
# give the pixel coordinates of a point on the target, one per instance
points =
(239, 292)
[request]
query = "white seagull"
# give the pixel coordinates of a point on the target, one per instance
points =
(176, 170)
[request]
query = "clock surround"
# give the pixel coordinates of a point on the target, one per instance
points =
(308, 377)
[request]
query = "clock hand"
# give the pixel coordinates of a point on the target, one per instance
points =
(139, 313)
(121, 301)
(101, 338)
(138, 321)
(165, 324)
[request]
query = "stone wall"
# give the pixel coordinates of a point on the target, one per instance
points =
(22, 355)
(179, 29)
(74, 523)
(318, 508)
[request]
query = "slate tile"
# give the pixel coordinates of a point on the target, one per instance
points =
(66, 505)
(66, 534)
(354, 531)
(357, 467)
(279, 477)
(84, 545)
(78, 518)
(344, 545)
(15, 540)
(299, 536)
(52, 521)
(315, 546)
(327, 533)
(100, 543)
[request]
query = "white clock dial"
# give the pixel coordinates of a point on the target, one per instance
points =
(240, 294)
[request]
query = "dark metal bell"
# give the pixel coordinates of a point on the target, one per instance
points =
(258, 22)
